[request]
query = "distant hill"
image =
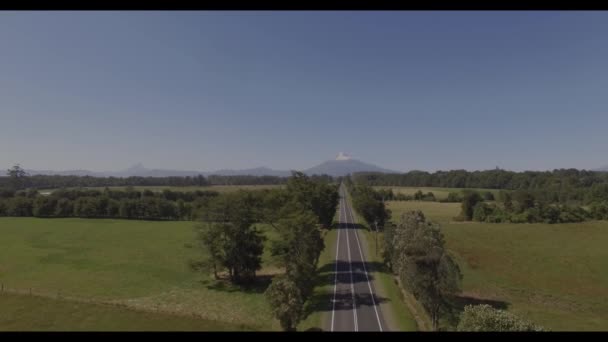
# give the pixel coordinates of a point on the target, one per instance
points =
(602, 169)
(341, 166)
(344, 165)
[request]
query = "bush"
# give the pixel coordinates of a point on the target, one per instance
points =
(488, 196)
(486, 318)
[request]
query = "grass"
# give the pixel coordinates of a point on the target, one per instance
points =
(218, 188)
(140, 264)
(440, 193)
(31, 313)
(554, 275)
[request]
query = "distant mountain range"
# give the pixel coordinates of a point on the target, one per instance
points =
(602, 169)
(343, 164)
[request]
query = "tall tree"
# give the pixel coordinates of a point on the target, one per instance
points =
(285, 301)
(17, 176)
(298, 246)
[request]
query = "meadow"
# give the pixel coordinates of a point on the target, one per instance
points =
(552, 274)
(138, 265)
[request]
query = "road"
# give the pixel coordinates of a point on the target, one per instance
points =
(355, 305)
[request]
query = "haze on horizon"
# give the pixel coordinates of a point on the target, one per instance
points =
(287, 90)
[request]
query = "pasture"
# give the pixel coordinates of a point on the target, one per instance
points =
(141, 265)
(554, 275)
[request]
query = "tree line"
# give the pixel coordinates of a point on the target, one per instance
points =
(525, 206)
(17, 179)
(489, 179)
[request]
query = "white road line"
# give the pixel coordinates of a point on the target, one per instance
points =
(365, 270)
(350, 264)
(333, 310)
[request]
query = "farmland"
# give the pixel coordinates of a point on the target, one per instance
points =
(140, 265)
(552, 274)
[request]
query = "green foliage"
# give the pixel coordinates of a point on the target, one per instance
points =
(469, 201)
(369, 205)
(486, 318)
(298, 247)
(318, 196)
(286, 302)
(416, 251)
(17, 177)
(488, 196)
(230, 238)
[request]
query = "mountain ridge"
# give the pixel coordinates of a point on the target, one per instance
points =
(340, 166)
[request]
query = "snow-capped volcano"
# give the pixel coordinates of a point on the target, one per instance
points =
(343, 156)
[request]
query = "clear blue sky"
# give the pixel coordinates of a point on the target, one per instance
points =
(287, 90)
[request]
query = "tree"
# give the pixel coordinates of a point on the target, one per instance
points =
(469, 200)
(417, 253)
(17, 176)
(486, 318)
(44, 206)
(488, 196)
(230, 238)
(285, 301)
(299, 246)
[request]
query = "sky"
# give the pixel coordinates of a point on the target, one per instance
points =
(287, 90)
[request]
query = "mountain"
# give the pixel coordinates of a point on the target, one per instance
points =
(602, 169)
(258, 171)
(139, 170)
(344, 164)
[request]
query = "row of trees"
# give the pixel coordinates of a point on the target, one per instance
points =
(233, 244)
(414, 249)
(523, 206)
(369, 203)
(453, 197)
(490, 179)
(17, 178)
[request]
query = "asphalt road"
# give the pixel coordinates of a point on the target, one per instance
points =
(354, 302)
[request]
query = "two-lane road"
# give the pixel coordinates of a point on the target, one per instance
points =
(355, 305)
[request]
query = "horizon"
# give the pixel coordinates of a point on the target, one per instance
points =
(239, 90)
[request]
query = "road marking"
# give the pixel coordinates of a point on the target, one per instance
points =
(365, 271)
(350, 264)
(333, 310)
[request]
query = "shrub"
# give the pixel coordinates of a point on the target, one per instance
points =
(486, 318)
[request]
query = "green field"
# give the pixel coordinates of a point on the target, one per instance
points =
(440, 193)
(32, 313)
(140, 264)
(218, 188)
(555, 275)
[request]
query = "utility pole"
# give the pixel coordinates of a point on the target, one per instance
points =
(376, 224)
